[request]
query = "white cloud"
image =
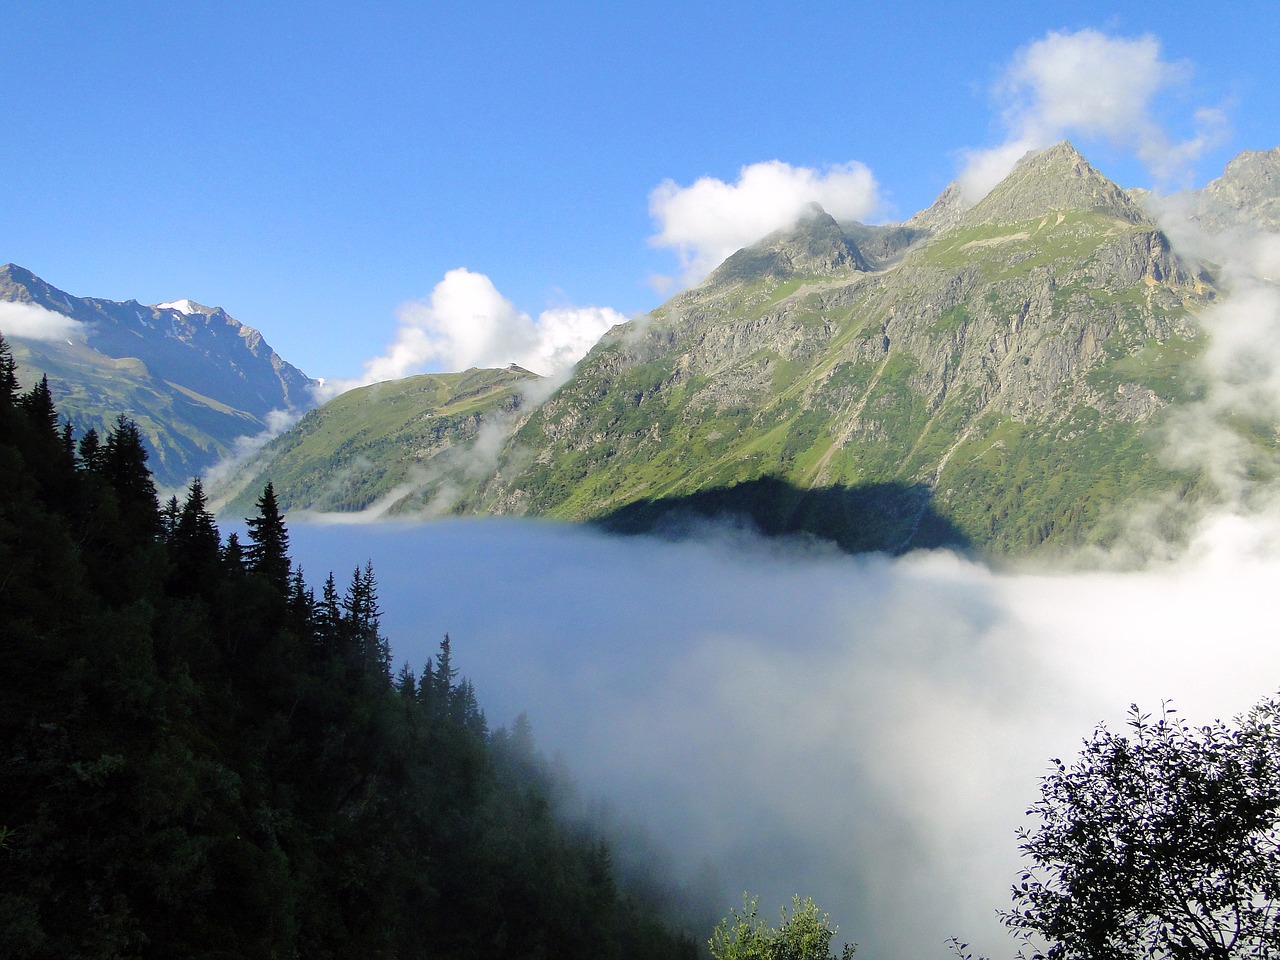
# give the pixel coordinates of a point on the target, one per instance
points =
(222, 477)
(1092, 85)
(467, 323)
(32, 322)
(710, 219)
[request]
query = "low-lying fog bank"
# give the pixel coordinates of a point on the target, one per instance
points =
(864, 731)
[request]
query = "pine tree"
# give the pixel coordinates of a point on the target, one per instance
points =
(268, 550)
(371, 651)
(445, 675)
(197, 547)
(40, 408)
(8, 375)
(124, 464)
(196, 530)
(91, 452)
(169, 515)
(233, 557)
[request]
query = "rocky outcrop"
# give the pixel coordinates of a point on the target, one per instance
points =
(1247, 194)
(815, 246)
(1052, 181)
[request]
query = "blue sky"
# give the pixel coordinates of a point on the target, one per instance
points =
(319, 169)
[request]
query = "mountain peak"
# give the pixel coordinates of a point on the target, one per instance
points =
(1055, 179)
(814, 244)
(1248, 192)
(944, 212)
(189, 307)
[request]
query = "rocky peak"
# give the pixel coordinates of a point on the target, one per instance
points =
(1247, 192)
(1056, 179)
(190, 308)
(815, 245)
(19, 285)
(945, 212)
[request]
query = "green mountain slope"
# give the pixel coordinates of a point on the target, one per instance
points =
(1000, 375)
(410, 442)
(1016, 366)
(193, 378)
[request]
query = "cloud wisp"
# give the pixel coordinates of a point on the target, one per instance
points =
(466, 322)
(1095, 86)
(708, 220)
(33, 322)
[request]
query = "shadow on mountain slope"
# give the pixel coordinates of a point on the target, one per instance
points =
(888, 517)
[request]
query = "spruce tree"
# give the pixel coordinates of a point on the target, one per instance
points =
(40, 408)
(268, 550)
(8, 375)
(124, 464)
(197, 547)
(91, 452)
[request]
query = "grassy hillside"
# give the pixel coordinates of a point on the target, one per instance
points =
(411, 440)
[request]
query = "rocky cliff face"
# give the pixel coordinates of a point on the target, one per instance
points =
(1008, 371)
(193, 378)
(1247, 193)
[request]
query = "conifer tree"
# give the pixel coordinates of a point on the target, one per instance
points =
(124, 464)
(197, 547)
(197, 532)
(445, 675)
(91, 452)
(329, 616)
(8, 375)
(39, 405)
(268, 550)
(233, 556)
(363, 617)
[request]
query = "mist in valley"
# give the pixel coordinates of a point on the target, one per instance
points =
(863, 730)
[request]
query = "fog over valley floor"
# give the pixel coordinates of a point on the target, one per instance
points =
(862, 730)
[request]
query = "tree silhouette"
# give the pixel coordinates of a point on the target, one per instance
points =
(1163, 843)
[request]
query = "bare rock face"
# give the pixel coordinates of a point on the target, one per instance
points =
(1247, 193)
(814, 246)
(944, 213)
(1052, 181)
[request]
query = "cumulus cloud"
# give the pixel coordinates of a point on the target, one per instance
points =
(33, 322)
(467, 323)
(708, 220)
(1092, 85)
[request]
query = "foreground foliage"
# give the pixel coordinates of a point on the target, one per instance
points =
(802, 934)
(1164, 843)
(199, 757)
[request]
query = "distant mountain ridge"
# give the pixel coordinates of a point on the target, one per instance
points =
(192, 377)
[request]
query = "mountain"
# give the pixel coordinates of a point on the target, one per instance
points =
(1001, 376)
(1247, 193)
(1002, 384)
(408, 442)
(193, 378)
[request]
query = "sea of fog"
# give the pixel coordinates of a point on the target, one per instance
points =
(863, 730)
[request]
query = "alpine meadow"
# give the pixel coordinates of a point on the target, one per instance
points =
(686, 541)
